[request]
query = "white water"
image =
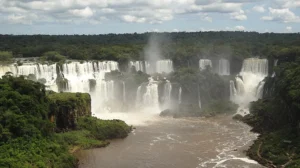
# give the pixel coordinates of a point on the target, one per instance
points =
(78, 76)
(248, 85)
(47, 72)
(139, 65)
(199, 98)
(160, 66)
(167, 94)
(180, 96)
(165, 66)
(203, 63)
(150, 98)
(223, 67)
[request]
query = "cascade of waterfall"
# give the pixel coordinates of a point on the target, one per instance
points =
(179, 96)
(150, 69)
(139, 65)
(233, 91)
(164, 66)
(150, 98)
(203, 63)
(159, 66)
(275, 65)
(78, 76)
(240, 87)
(48, 72)
(249, 83)
(224, 67)
(138, 96)
(199, 98)
(260, 89)
(167, 94)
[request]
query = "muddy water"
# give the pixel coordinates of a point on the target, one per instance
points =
(177, 143)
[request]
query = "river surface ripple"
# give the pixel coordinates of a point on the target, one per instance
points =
(177, 143)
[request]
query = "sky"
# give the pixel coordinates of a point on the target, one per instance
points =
(130, 16)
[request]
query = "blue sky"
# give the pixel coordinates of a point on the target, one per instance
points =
(128, 16)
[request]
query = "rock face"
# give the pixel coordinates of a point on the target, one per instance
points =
(67, 107)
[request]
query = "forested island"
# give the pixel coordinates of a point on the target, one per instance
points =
(186, 90)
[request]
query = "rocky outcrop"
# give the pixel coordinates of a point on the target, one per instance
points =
(66, 108)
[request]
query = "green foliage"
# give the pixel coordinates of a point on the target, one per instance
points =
(24, 108)
(6, 56)
(82, 139)
(27, 138)
(67, 107)
(211, 87)
(53, 56)
(104, 129)
(35, 153)
(277, 146)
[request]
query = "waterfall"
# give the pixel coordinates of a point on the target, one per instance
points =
(78, 76)
(260, 89)
(199, 98)
(233, 91)
(139, 65)
(167, 94)
(275, 65)
(164, 66)
(160, 66)
(179, 96)
(249, 83)
(224, 67)
(150, 98)
(138, 96)
(203, 63)
(240, 87)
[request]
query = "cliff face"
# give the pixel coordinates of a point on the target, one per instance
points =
(65, 108)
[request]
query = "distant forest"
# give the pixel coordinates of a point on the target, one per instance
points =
(184, 48)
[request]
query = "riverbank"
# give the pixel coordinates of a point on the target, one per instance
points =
(93, 133)
(274, 148)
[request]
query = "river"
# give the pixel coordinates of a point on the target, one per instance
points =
(176, 143)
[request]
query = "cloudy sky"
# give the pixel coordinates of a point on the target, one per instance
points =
(128, 16)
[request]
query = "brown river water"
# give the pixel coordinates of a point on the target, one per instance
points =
(217, 142)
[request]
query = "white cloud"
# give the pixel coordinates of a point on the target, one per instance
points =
(240, 28)
(259, 9)
(131, 19)
(221, 7)
(175, 30)
(281, 15)
(240, 15)
(287, 3)
(236, 28)
(85, 13)
(289, 28)
(131, 11)
(21, 19)
(205, 17)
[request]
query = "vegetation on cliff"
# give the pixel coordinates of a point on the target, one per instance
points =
(27, 135)
(276, 117)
